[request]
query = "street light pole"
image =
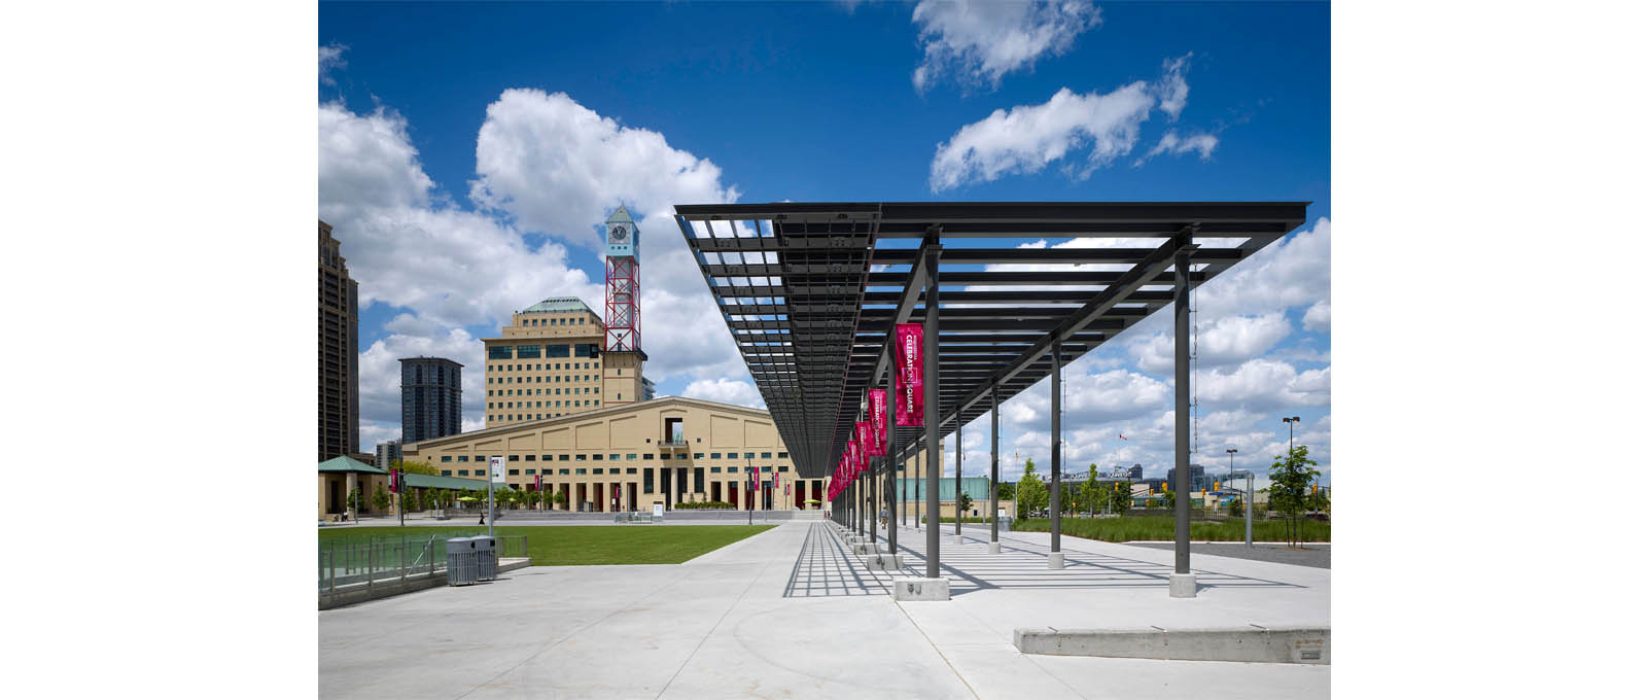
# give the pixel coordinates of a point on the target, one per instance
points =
(749, 466)
(1231, 477)
(1290, 423)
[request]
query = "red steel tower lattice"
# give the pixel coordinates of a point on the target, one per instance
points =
(623, 326)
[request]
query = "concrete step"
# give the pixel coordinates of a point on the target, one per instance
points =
(1281, 645)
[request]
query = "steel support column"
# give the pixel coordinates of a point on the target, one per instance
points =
(1181, 411)
(891, 463)
(958, 448)
(933, 449)
(1055, 499)
(994, 465)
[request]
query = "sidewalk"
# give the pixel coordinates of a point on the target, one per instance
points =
(787, 614)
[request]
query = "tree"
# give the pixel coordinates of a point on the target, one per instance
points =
(1119, 497)
(966, 505)
(415, 467)
(1032, 492)
(1237, 508)
(1290, 478)
(1167, 498)
(1006, 491)
(409, 501)
(356, 501)
(380, 499)
(560, 498)
(1089, 490)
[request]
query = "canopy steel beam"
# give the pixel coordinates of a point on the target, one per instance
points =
(810, 293)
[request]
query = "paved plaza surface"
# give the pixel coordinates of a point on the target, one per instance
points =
(790, 613)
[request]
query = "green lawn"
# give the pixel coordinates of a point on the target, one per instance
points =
(575, 545)
(1160, 527)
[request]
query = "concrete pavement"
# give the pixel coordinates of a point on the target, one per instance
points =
(788, 613)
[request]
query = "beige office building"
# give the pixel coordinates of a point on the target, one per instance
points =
(631, 456)
(547, 363)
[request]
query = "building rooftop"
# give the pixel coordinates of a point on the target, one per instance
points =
(558, 305)
(345, 464)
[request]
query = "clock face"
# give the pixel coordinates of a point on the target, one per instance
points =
(620, 234)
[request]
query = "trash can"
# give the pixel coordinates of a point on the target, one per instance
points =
(1006, 524)
(462, 564)
(486, 558)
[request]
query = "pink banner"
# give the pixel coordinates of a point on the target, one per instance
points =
(877, 422)
(910, 370)
(866, 440)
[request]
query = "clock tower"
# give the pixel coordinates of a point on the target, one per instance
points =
(622, 356)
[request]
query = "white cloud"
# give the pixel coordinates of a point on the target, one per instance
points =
(730, 391)
(1319, 317)
(556, 167)
(982, 41)
(410, 248)
(331, 58)
(1027, 138)
(1173, 144)
(1224, 341)
(1290, 273)
(1265, 384)
(1173, 88)
(380, 371)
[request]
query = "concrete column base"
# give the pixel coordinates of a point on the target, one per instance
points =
(995, 548)
(911, 588)
(884, 562)
(1182, 585)
(866, 548)
(1055, 560)
(960, 540)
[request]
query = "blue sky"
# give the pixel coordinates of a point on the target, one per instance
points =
(468, 150)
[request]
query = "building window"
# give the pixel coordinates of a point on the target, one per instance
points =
(785, 455)
(717, 455)
(714, 470)
(534, 458)
(768, 455)
(445, 458)
(599, 471)
(664, 456)
(630, 470)
(599, 457)
(648, 457)
(445, 472)
(514, 472)
(581, 458)
(785, 469)
(564, 458)
(463, 472)
(564, 471)
(465, 458)
(612, 457)
(630, 456)
(499, 352)
(531, 472)
(516, 458)
(528, 352)
(699, 455)
(646, 482)
(581, 470)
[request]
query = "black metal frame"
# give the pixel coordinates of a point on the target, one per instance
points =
(810, 291)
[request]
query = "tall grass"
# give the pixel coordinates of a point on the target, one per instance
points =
(1160, 527)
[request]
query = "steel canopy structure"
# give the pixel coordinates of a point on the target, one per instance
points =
(810, 291)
